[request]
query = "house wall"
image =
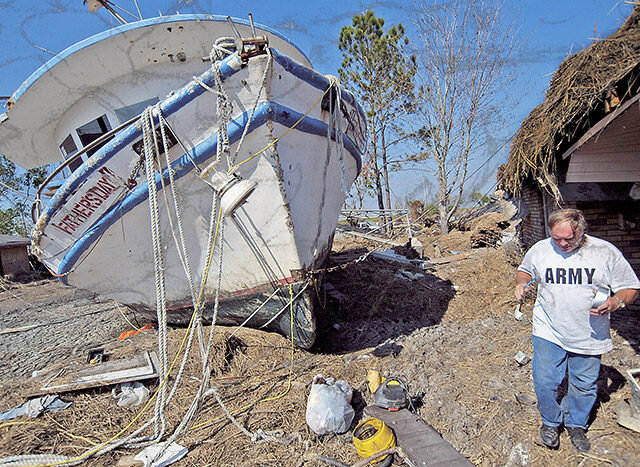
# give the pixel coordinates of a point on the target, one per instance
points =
(615, 221)
(533, 224)
(14, 260)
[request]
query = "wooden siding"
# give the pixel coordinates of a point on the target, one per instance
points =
(611, 155)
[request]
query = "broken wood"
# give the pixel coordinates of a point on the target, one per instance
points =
(141, 367)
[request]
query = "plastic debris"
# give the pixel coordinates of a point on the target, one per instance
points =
(328, 406)
(34, 407)
(526, 399)
(130, 394)
(126, 334)
(522, 358)
(172, 453)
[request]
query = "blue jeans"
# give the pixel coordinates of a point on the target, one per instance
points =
(550, 364)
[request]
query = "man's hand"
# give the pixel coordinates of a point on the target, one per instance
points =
(607, 307)
(522, 281)
(624, 296)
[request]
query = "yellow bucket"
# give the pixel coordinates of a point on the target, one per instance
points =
(372, 436)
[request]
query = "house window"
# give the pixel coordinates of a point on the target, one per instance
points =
(92, 131)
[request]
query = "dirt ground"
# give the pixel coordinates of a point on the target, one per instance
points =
(448, 331)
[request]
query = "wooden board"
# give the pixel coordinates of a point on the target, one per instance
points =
(419, 441)
(141, 367)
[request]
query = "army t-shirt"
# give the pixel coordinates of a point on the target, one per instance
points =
(567, 283)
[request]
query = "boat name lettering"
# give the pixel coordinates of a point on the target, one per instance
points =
(90, 201)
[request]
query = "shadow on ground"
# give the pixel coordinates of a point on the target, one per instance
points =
(369, 302)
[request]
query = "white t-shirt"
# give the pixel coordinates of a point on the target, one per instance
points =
(566, 286)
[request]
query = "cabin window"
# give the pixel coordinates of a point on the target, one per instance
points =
(92, 131)
(68, 149)
(124, 114)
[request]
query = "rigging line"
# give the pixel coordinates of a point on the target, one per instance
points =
(286, 391)
(272, 143)
(265, 76)
(138, 8)
(106, 445)
(128, 12)
(187, 152)
(284, 308)
(18, 192)
(253, 314)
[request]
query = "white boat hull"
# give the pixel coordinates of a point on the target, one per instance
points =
(94, 232)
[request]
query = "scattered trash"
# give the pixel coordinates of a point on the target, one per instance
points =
(126, 334)
(95, 356)
(391, 394)
(634, 376)
(408, 275)
(130, 394)
(170, 454)
(519, 456)
(373, 380)
(517, 314)
(526, 399)
(417, 246)
(328, 406)
(372, 436)
(34, 407)
(522, 358)
(627, 416)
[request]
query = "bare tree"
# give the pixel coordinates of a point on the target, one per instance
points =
(465, 54)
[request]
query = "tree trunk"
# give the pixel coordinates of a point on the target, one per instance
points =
(387, 190)
(376, 169)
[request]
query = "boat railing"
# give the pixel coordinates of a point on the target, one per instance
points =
(35, 210)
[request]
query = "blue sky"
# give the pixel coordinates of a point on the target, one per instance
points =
(31, 32)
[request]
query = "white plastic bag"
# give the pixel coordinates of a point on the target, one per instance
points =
(130, 394)
(328, 406)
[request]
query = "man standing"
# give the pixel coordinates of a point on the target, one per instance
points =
(568, 334)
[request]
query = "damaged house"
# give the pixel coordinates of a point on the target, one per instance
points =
(580, 148)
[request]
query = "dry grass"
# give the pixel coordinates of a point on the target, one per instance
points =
(450, 334)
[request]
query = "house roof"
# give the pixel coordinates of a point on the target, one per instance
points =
(13, 240)
(585, 88)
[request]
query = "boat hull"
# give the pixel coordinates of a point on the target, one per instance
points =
(95, 231)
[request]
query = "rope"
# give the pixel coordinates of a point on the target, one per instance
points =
(151, 154)
(335, 122)
(149, 140)
(263, 84)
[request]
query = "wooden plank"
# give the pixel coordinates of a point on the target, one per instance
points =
(371, 237)
(141, 367)
(419, 441)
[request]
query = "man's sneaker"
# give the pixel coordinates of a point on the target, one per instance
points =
(550, 436)
(579, 439)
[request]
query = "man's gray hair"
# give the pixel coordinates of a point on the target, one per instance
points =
(574, 216)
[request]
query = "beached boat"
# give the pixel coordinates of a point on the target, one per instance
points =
(246, 146)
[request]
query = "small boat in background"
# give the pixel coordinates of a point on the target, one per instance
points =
(185, 174)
